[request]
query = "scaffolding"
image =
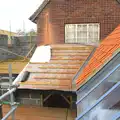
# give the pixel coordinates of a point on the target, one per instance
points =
(12, 88)
(13, 85)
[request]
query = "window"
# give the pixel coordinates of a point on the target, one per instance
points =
(82, 33)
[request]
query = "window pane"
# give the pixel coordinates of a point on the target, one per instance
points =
(70, 33)
(70, 40)
(95, 27)
(81, 40)
(90, 35)
(96, 34)
(82, 34)
(84, 27)
(79, 27)
(90, 27)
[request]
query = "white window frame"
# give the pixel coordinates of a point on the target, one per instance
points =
(88, 41)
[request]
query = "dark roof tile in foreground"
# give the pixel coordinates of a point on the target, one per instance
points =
(102, 55)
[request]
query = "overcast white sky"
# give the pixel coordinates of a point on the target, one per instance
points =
(17, 11)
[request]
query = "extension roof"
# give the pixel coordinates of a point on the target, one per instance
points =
(58, 73)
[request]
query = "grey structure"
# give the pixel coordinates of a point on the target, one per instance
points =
(90, 98)
(28, 97)
(20, 45)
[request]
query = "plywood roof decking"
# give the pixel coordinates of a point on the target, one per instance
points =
(17, 66)
(41, 113)
(102, 55)
(58, 73)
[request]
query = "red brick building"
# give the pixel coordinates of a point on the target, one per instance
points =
(51, 84)
(76, 21)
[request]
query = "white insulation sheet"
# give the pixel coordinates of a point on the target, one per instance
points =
(41, 54)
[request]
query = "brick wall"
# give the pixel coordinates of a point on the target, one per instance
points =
(57, 13)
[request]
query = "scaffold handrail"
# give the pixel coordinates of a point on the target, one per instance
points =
(9, 113)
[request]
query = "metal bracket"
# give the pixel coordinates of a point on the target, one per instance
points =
(12, 86)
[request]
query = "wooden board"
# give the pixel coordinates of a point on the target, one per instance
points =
(41, 113)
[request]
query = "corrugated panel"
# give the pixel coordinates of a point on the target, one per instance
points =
(59, 72)
(102, 55)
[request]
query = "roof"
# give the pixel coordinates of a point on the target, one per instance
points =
(38, 11)
(17, 66)
(58, 73)
(5, 32)
(102, 55)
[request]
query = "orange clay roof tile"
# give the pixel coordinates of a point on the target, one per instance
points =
(105, 51)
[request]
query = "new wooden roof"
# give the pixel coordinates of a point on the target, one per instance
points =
(17, 66)
(57, 74)
(103, 54)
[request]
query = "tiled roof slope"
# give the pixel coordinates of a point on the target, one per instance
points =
(58, 73)
(102, 55)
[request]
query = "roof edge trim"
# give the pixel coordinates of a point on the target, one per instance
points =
(38, 11)
(114, 54)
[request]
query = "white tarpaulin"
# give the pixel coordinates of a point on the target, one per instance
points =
(41, 54)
